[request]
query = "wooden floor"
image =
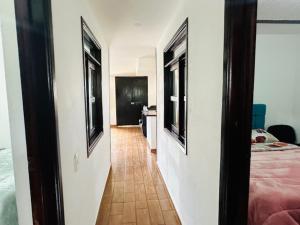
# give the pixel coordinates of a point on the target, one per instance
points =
(135, 193)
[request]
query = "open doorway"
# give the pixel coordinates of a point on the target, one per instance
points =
(259, 181)
(274, 173)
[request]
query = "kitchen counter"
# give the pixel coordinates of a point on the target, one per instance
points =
(150, 113)
(151, 128)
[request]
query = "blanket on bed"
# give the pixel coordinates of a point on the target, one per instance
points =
(274, 197)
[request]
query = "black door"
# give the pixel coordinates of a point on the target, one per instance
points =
(131, 96)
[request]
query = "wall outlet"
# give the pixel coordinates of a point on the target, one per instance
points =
(76, 162)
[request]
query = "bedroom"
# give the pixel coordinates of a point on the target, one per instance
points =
(275, 160)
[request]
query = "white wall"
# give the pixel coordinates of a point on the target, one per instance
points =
(82, 189)
(124, 59)
(145, 66)
(193, 180)
(4, 119)
(277, 78)
(15, 108)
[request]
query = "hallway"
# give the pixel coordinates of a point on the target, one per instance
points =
(135, 193)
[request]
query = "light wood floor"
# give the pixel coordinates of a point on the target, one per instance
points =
(135, 193)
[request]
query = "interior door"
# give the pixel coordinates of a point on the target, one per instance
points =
(131, 96)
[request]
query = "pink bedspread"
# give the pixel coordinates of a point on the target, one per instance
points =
(274, 197)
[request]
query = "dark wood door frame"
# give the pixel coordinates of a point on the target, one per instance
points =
(239, 60)
(36, 56)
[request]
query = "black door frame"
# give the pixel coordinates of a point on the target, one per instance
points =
(239, 63)
(36, 57)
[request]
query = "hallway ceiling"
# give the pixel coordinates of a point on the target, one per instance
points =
(134, 28)
(278, 10)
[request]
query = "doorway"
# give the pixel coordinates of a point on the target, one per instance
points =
(259, 177)
(131, 96)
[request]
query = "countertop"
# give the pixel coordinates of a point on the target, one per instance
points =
(150, 113)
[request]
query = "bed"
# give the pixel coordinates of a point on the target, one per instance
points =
(8, 208)
(274, 195)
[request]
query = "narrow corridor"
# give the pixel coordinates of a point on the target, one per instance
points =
(135, 193)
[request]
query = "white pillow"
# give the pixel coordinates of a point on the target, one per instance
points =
(269, 138)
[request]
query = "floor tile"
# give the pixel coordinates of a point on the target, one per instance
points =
(117, 209)
(141, 204)
(170, 218)
(143, 217)
(155, 211)
(129, 213)
(165, 204)
(129, 197)
(115, 220)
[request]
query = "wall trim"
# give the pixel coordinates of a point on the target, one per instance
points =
(279, 21)
(170, 193)
(102, 203)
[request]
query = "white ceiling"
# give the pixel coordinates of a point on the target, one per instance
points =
(134, 28)
(124, 59)
(278, 10)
